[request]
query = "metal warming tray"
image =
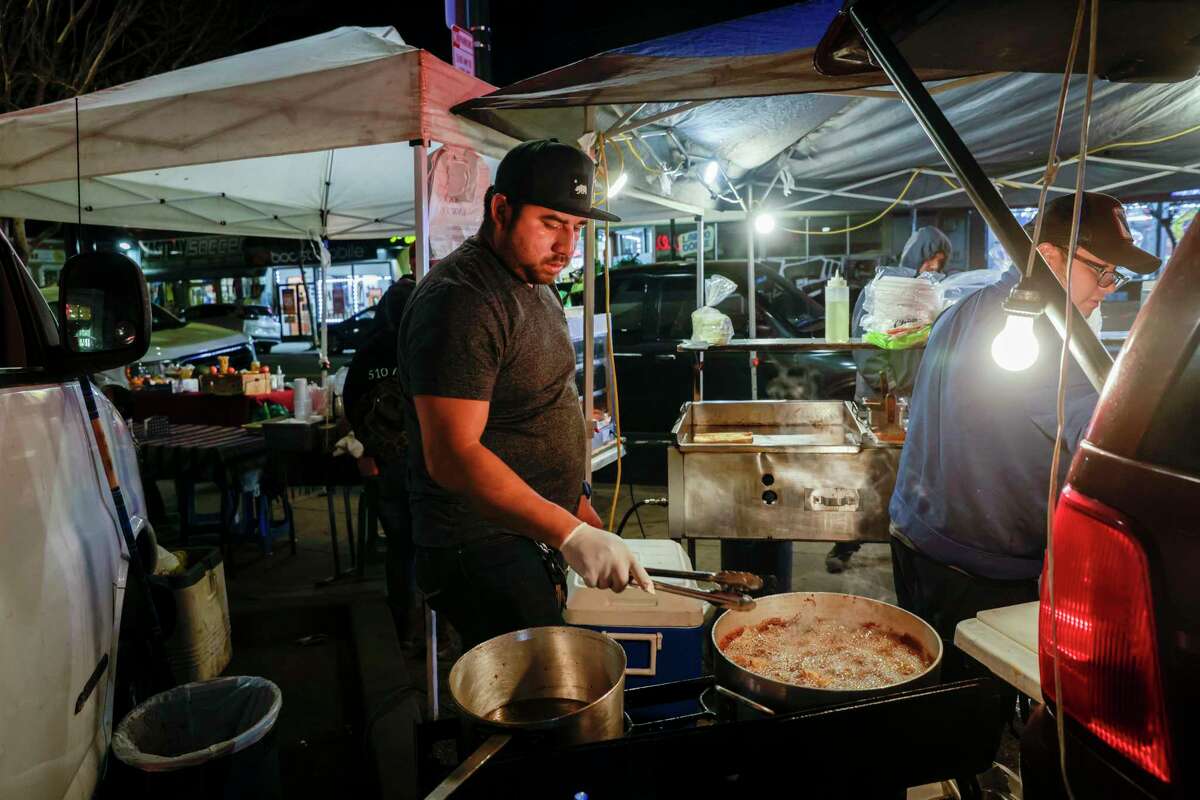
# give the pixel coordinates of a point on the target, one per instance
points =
(808, 470)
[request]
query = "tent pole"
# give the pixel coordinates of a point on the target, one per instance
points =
(324, 311)
(752, 307)
(700, 286)
(420, 151)
(1091, 356)
(589, 314)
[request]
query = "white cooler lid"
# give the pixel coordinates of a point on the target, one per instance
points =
(633, 608)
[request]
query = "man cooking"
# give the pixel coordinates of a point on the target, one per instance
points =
(497, 462)
(969, 508)
(927, 251)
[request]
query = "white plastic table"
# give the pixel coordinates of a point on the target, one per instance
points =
(1005, 640)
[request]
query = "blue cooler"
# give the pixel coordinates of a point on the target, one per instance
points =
(663, 634)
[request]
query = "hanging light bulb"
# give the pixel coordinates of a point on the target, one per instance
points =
(1015, 348)
(616, 186)
(764, 222)
(711, 170)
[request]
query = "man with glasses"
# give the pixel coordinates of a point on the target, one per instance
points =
(969, 508)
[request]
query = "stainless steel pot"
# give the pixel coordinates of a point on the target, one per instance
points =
(845, 608)
(565, 685)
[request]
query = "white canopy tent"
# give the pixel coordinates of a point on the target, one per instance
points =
(327, 136)
(323, 136)
(309, 137)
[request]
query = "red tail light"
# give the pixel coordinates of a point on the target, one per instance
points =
(1108, 652)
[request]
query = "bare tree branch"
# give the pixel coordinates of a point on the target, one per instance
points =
(51, 50)
(75, 17)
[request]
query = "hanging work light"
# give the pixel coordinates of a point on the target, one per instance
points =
(711, 170)
(764, 222)
(1015, 348)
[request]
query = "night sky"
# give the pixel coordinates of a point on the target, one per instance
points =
(530, 36)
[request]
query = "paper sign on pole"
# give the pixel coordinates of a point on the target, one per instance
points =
(458, 180)
(462, 46)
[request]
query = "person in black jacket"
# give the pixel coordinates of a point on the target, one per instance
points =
(375, 409)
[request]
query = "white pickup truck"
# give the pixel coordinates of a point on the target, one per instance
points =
(64, 569)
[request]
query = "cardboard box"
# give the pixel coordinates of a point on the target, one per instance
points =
(242, 383)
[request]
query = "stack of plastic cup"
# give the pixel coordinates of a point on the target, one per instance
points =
(302, 405)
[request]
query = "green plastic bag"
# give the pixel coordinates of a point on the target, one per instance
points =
(899, 341)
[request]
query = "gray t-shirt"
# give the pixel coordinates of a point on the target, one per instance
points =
(473, 330)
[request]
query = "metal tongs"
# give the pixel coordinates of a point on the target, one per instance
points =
(730, 595)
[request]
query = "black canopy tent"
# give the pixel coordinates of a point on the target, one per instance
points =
(796, 90)
(1142, 46)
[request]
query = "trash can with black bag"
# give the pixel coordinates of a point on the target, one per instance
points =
(209, 740)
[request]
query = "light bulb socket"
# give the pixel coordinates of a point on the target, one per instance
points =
(1023, 301)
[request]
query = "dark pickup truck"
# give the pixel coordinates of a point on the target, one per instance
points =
(652, 314)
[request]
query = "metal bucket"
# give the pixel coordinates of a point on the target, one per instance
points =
(845, 608)
(562, 681)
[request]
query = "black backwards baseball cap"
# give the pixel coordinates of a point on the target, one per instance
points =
(1103, 230)
(546, 172)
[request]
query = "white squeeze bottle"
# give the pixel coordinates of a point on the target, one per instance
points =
(837, 310)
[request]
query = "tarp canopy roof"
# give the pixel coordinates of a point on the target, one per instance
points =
(301, 138)
(746, 93)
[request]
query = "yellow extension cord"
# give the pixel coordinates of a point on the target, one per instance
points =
(869, 222)
(601, 144)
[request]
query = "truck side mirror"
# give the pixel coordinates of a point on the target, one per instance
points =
(104, 310)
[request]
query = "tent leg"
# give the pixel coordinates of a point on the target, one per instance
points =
(1091, 356)
(700, 299)
(751, 294)
(420, 151)
(589, 315)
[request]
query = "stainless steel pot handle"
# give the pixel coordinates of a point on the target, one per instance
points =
(470, 766)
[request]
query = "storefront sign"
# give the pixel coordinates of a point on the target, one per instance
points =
(195, 254)
(462, 45)
(687, 241)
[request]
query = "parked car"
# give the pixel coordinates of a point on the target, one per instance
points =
(1127, 576)
(353, 332)
(176, 341)
(257, 322)
(64, 571)
(652, 315)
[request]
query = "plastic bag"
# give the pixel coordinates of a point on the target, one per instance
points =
(960, 285)
(168, 562)
(196, 723)
(709, 325)
(899, 311)
(900, 340)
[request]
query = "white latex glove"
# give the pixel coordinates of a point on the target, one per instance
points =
(603, 559)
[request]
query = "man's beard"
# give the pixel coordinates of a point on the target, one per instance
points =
(545, 272)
